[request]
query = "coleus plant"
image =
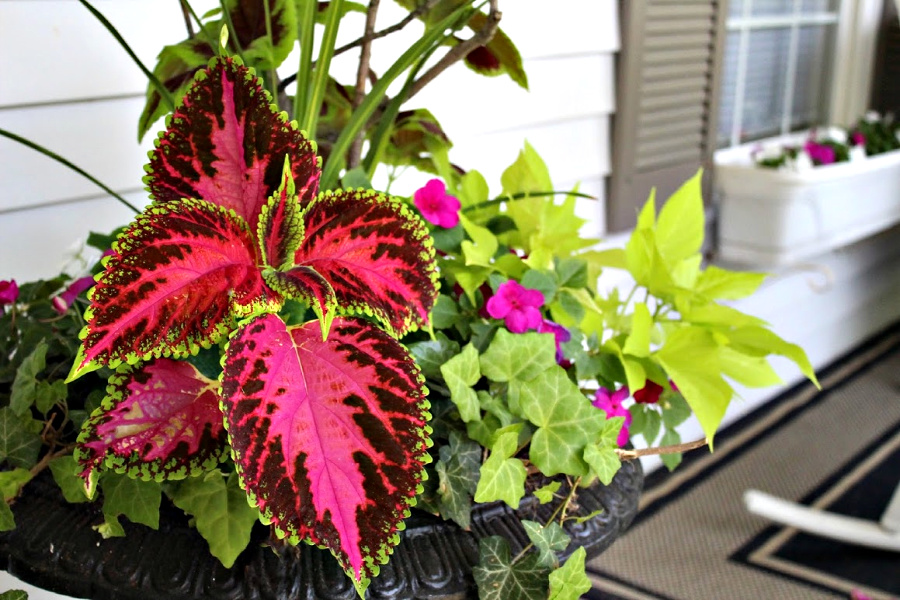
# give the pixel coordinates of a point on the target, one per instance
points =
(326, 420)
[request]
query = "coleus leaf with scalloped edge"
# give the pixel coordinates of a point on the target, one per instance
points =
(280, 228)
(375, 253)
(266, 34)
(163, 287)
(160, 419)
(329, 437)
(303, 283)
(226, 144)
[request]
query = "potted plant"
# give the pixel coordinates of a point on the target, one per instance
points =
(784, 199)
(257, 346)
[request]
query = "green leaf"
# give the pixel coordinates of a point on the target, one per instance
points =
(445, 313)
(749, 370)
(528, 173)
(676, 410)
(497, 406)
(603, 461)
(691, 358)
(498, 578)
(763, 342)
(543, 281)
(502, 477)
(670, 438)
(14, 595)
(19, 443)
(638, 342)
(679, 228)
(431, 354)
(221, 512)
(355, 179)
(461, 373)
(65, 470)
(721, 284)
(24, 387)
(12, 481)
(7, 520)
(48, 395)
(134, 499)
(458, 474)
(548, 540)
(518, 356)
(570, 581)
(483, 246)
(566, 421)
(572, 272)
(545, 493)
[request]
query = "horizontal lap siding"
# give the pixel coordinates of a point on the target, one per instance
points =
(74, 91)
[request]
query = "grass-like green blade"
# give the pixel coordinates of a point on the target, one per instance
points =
(326, 52)
(307, 19)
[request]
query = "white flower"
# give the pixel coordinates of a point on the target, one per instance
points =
(857, 153)
(802, 163)
(872, 116)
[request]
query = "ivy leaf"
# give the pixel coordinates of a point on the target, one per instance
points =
(12, 481)
(48, 395)
(461, 372)
(13, 594)
(458, 473)
(431, 354)
(603, 461)
(134, 499)
(482, 247)
(548, 539)
(570, 581)
(445, 313)
(545, 493)
(24, 387)
(329, 436)
(565, 419)
(7, 520)
(65, 470)
(19, 443)
(502, 477)
(220, 510)
(518, 357)
(498, 578)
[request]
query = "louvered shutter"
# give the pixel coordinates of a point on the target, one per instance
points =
(664, 128)
(886, 82)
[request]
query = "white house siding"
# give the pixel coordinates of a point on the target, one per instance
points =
(66, 84)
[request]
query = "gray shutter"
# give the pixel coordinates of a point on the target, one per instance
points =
(664, 127)
(886, 82)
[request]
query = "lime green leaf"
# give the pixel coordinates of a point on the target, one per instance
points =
(498, 578)
(647, 217)
(134, 499)
(458, 474)
(24, 387)
(603, 460)
(749, 370)
(545, 493)
(717, 314)
(613, 258)
(686, 272)
(638, 342)
(569, 582)
(12, 481)
(548, 540)
(691, 358)
(19, 443)
(7, 520)
(679, 229)
(483, 246)
(431, 354)
(483, 431)
(461, 373)
(528, 174)
(565, 419)
(721, 284)
(110, 527)
(763, 341)
(519, 357)
(221, 512)
(65, 470)
(502, 477)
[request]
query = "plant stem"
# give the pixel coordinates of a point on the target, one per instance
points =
(523, 195)
(69, 164)
(232, 34)
(673, 449)
(186, 12)
(362, 75)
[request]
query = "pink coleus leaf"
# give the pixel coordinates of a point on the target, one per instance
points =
(304, 284)
(375, 253)
(281, 224)
(178, 276)
(226, 144)
(329, 437)
(160, 419)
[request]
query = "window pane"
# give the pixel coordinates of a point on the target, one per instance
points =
(736, 8)
(810, 88)
(814, 6)
(771, 7)
(764, 85)
(729, 88)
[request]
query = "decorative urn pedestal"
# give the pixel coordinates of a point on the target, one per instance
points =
(55, 548)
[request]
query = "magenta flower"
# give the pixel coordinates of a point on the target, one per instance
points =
(858, 138)
(62, 302)
(9, 293)
(819, 153)
(436, 205)
(611, 404)
(518, 306)
(561, 335)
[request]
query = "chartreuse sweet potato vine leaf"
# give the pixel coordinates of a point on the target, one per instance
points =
(328, 430)
(158, 420)
(329, 437)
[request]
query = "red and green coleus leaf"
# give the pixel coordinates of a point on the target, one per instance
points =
(226, 144)
(266, 34)
(329, 437)
(160, 420)
(304, 284)
(280, 229)
(498, 56)
(375, 253)
(178, 277)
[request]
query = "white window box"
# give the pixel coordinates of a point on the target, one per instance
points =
(775, 217)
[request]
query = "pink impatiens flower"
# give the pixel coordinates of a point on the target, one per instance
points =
(518, 306)
(611, 404)
(820, 153)
(9, 293)
(858, 138)
(436, 205)
(62, 302)
(561, 335)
